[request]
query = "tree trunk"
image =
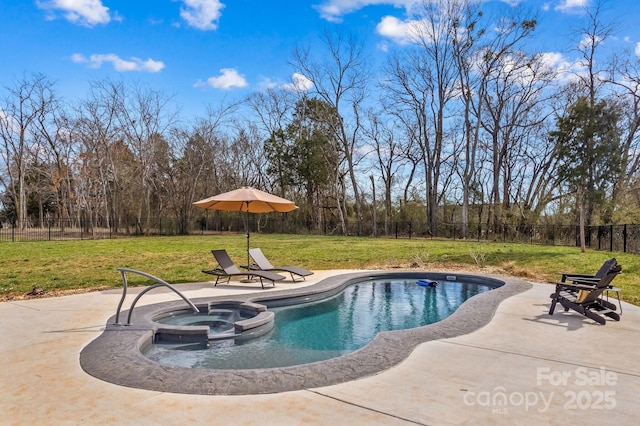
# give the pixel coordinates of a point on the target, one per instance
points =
(374, 206)
(580, 199)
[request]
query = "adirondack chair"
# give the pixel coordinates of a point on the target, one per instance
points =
(585, 297)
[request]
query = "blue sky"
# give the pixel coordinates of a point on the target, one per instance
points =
(204, 51)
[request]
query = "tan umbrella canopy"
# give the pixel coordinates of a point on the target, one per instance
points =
(250, 200)
(247, 199)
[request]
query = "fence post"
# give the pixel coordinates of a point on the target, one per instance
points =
(624, 238)
(610, 237)
(396, 230)
(410, 229)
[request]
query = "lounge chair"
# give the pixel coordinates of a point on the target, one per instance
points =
(262, 264)
(226, 268)
(585, 297)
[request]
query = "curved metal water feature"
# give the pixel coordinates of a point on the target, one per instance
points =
(159, 283)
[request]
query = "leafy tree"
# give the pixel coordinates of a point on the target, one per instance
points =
(278, 149)
(588, 148)
(304, 154)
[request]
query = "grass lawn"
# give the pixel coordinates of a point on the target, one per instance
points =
(61, 267)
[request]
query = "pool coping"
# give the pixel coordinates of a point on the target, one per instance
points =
(115, 355)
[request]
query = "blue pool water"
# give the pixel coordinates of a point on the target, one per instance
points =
(328, 328)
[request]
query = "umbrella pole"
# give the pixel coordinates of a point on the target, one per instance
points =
(249, 278)
(248, 236)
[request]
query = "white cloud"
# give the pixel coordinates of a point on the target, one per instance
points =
(567, 71)
(228, 79)
(553, 59)
(81, 12)
(513, 3)
(11, 125)
(299, 83)
(407, 31)
(383, 46)
(133, 64)
(7, 121)
(569, 6)
(333, 10)
(266, 83)
(638, 50)
(202, 14)
(587, 42)
(395, 29)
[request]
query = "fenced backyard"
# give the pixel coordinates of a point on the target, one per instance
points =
(617, 238)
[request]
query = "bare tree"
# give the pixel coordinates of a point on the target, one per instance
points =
(340, 79)
(467, 33)
(274, 109)
(185, 172)
(516, 91)
(391, 157)
(593, 35)
(101, 180)
(144, 116)
(422, 83)
(28, 98)
(499, 85)
(57, 147)
(208, 145)
(625, 79)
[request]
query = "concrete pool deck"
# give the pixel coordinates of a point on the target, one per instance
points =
(524, 367)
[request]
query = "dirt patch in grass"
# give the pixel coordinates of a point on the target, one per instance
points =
(510, 268)
(43, 294)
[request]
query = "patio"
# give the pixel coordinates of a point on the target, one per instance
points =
(524, 367)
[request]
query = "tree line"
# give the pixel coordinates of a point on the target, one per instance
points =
(465, 122)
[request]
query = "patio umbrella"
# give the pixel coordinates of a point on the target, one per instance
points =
(249, 200)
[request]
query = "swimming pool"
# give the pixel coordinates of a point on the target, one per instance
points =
(327, 328)
(116, 355)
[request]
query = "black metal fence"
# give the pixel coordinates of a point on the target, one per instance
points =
(619, 238)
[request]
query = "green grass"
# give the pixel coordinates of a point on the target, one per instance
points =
(66, 266)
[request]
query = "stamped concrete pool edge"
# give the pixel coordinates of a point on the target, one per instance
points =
(115, 355)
